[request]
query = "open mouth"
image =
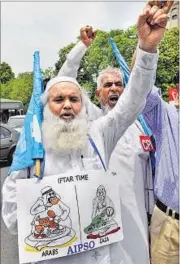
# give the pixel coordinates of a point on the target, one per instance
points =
(67, 116)
(113, 99)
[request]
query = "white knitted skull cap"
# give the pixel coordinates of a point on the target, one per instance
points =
(59, 79)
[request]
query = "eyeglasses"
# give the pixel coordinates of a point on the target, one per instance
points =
(109, 84)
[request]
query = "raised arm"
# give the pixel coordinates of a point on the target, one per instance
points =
(141, 81)
(72, 63)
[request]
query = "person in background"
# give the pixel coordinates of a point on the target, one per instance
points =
(162, 119)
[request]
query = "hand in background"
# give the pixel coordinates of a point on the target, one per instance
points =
(87, 35)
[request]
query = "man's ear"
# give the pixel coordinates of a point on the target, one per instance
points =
(97, 92)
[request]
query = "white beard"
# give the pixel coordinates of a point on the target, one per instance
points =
(63, 136)
(105, 108)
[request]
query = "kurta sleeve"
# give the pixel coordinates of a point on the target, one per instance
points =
(72, 63)
(9, 204)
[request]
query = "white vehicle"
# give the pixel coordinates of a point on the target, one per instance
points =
(16, 122)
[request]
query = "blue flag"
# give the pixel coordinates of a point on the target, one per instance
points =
(122, 64)
(29, 147)
(126, 73)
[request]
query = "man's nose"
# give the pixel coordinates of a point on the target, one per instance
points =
(67, 104)
(113, 87)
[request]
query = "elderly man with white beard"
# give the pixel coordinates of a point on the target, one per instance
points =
(67, 136)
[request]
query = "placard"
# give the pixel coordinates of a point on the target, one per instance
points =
(67, 214)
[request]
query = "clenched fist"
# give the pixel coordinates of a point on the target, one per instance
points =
(151, 27)
(165, 5)
(87, 35)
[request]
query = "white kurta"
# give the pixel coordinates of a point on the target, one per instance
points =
(105, 132)
(131, 163)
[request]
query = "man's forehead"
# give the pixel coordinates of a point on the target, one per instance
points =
(111, 77)
(65, 89)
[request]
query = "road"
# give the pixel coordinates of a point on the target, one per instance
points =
(9, 243)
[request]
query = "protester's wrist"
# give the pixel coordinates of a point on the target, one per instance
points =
(87, 43)
(148, 48)
(146, 59)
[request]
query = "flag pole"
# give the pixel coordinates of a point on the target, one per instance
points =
(38, 89)
(38, 168)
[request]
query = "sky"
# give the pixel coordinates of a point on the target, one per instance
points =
(49, 26)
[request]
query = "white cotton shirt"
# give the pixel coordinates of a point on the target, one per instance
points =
(106, 131)
(131, 162)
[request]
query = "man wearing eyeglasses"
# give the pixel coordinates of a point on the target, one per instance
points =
(129, 159)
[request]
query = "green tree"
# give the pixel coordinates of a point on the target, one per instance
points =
(99, 55)
(48, 73)
(5, 91)
(19, 88)
(168, 64)
(6, 73)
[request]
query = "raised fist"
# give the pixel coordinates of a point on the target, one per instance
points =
(165, 5)
(87, 35)
(151, 27)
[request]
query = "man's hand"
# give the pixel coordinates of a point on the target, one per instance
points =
(165, 5)
(87, 35)
(151, 27)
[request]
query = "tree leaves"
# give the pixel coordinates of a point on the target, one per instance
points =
(98, 57)
(6, 73)
(168, 64)
(19, 88)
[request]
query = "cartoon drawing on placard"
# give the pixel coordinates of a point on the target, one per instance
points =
(51, 225)
(102, 218)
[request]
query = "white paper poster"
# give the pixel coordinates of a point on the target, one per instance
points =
(67, 214)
